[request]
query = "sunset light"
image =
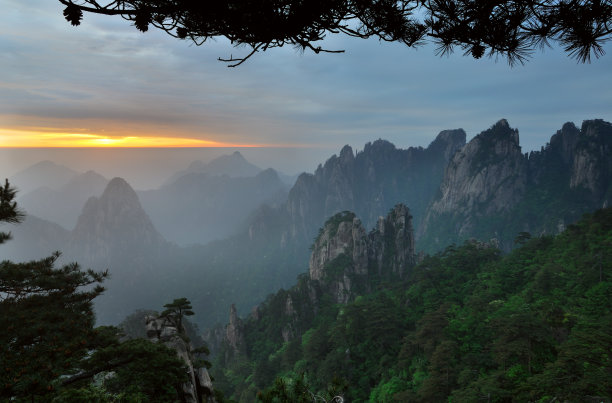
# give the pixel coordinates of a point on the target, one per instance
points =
(31, 138)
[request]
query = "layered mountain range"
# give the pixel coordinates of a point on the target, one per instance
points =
(485, 189)
(370, 182)
(199, 207)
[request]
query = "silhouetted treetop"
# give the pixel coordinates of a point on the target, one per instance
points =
(511, 29)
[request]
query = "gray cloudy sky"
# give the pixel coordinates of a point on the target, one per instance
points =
(106, 78)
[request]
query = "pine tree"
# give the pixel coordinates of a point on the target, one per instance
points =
(46, 316)
(177, 309)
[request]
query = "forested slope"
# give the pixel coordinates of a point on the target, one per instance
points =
(467, 324)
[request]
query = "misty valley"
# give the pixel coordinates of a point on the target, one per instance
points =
(463, 271)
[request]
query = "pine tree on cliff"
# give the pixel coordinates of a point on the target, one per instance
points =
(177, 309)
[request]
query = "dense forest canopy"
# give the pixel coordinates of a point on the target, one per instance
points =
(511, 29)
(468, 324)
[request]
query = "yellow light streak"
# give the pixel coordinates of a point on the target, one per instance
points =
(10, 138)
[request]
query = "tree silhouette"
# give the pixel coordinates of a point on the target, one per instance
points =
(511, 29)
(9, 212)
(46, 316)
(177, 309)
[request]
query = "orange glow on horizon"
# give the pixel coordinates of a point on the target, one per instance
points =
(43, 139)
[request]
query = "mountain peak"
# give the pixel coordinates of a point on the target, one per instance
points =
(500, 137)
(596, 128)
(447, 142)
(344, 255)
(346, 153)
(233, 165)
(115, 224)
(379, 146)
(118, 188)
(503, 123)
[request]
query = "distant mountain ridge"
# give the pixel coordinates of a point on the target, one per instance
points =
(200, 207)
(63, 204)
(233, 165)
(42, 174)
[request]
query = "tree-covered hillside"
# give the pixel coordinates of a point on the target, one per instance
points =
(466, 325)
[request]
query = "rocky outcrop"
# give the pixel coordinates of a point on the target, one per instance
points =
(392, 243)
(234, 334)
(491, 190)
(345, 260)
(592, 166)
(486, 177)
(343, 234)
(164, 329)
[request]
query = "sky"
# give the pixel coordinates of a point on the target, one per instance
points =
(112, 85)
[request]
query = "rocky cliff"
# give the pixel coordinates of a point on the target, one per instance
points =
(592, 165)
(370, 182)
(113, 232)
(491, 190)
(345, 262)
(486, 177)
(164, 329)
(234, 335)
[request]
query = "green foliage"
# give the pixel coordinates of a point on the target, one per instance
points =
(298, 390)
(9, 212)
(49, 349)
(337, 267)
(177, 309)
(151, 370)
(47, 319)
(467, 324)
(504, 28)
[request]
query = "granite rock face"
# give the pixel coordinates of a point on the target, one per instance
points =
(486, 177)
(345, 262)
(370, 182)
(164, 329)
(234, 334)
(345, 257)
(592, 165)
(491, 190)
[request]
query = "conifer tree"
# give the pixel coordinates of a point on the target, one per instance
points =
(46, 316)
(177, 309)
(49, 347)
